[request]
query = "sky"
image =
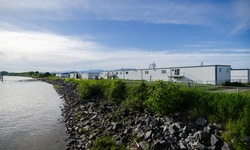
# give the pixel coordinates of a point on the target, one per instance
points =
(59, 35)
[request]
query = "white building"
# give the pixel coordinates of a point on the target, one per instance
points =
(90, 75)
(74, 75)
(209, 74)
(62, 75)
(240, 75)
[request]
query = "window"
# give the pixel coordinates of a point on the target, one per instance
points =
(126, 72)
(163, 71)
(227, 70)
(177, 72)
(146, 72)
(120, 72)
(116, 72)
(219, 69)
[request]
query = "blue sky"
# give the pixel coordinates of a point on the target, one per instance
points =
(93, 34)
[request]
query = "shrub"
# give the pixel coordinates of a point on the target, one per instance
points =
(106, 143)
(163, 97)
(116, 91)
(227, 83)
(136, 96)
(89, 88)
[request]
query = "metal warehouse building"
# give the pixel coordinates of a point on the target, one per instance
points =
(240, 75)
(205, 74)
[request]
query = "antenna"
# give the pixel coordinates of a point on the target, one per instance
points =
(152, 66)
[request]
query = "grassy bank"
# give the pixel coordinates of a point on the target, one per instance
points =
(230, 109)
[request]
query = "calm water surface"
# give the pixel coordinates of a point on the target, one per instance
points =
(30, 116)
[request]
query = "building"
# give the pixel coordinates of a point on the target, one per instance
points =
(63, 75)
(240, 75)
(74, 75)
(209, 74)
(90, 75)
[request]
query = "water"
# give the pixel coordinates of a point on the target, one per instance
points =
(30, 116)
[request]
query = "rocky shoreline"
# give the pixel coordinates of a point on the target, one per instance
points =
(88, 120)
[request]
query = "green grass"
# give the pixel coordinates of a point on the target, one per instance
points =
(106, 143)
(246, 92)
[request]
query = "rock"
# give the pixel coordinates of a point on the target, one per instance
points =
(170, 139)
(144, 145)
(225, 146)
(168, 120)
(179, 125)
(201, 122)
(173, 129)
(140, 135)
(181, 145)
(215, 140)
(154, 122)
(117, 126)
(183, 135)
(212, 148)
(148, 134)
(79, 146)
(127, 131)
(200, 146)
(159, 144)
(204, 137)
(92, 136)
(218, 125)
(165, 128)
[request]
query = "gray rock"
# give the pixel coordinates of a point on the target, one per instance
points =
(117, 126)
(183, 135)
(169, 139)
(148, 134)
(173, 129)
(201, 122)
(144, 145)
(140, 135)
(182, 146)
(218, 125)
(159, 144)
(154, 122)
(168, 120)
(212, 148)
(215, 140)
(200, 146)
(165, 127)
(127, 131)
(92, 136)
(204, 137)
(179, 125)
(225, 146)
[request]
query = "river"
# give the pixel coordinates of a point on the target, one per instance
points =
(30, 117)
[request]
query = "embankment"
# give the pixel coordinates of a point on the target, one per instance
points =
(110, 114)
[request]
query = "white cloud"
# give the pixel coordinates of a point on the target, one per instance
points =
(24, 51)
(233, 17)
(241, 16)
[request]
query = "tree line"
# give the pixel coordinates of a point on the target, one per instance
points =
(33, 74)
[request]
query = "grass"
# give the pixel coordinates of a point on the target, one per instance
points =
(246, 92)
(106, 143)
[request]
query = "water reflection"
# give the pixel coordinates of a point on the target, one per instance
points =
(30, 115)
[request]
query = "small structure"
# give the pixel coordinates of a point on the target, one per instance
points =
(240, 75)
(90, 75)
(62, 75)
(74, 75)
